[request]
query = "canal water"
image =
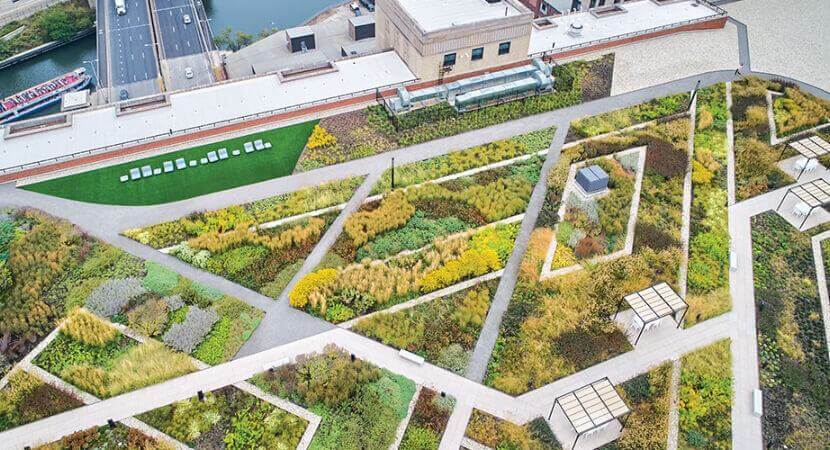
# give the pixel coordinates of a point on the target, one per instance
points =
(249, 16)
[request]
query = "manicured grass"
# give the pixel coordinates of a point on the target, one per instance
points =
(103, 185)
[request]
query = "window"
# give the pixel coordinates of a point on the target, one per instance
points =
(543, 8)
(449, 59)
(504, 48)
(478, 53)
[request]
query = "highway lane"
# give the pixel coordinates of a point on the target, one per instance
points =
(177, 38)
(131, 56)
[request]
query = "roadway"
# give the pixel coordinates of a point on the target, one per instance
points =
(183, 45)
(131, 59)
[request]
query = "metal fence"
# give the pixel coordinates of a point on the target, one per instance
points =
(719, 12)
(185, 131)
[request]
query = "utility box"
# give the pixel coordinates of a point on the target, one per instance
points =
(362, 27)
(592, 179)
(300, 39)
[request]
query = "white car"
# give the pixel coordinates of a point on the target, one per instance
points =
(186, 19)
(188, 73)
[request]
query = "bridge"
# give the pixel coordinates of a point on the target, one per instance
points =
(158, 45)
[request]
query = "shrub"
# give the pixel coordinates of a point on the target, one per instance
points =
(393, 212)
(111, 297)
(320, 137)
(85, 327)
(298, 297)
(146, 364)
(588, 247)
(663, 158)
(150, 317)
(419, 438)
(339, 313)
(187, 335)
(159, 279)
(470, 263)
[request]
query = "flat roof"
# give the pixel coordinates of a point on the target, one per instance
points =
(592, 406)
(92, 129)
(365, 19)
(298, 32)
(640, 16)
(434, 15)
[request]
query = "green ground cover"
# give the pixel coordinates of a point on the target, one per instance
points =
(708, 273)
(419, 239)
(103, 185)
(556, 327)
(501, 434)
(371, 131)
(56, 23)
(756, 169)
(797, 110)
(95, 357)
(108, 438)
(228, 242)
(626, 117)
(26, 398)
(428, 422)
(792, 349)
(705, 398)
(443, 331)
(598, 226)
(228, 418)
(360, 404)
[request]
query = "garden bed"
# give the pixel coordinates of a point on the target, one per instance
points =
(794, 367)
(708, 274)
(107, 437)
(227, 418)
(427, 235)
(626, 117)
(705, 398)
(647, 427)
(756, 168)
(59, 22)
(561, 325)
(498, 433)
(796, 110)
(360, 404)
(97, 358)
(443, 331)
(428, 422)
(260, 245)
(26, 398)
(371, 131)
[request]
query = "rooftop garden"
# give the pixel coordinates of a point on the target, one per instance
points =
(26, 398)
(708, 273)
(705, 398)
(428, 235)
(108, 438)
(443, 331)
(227, 418)
(561, 325)
(756, 169)
(260, 245)
(797, 110)
(104, 186)
(792, 349)
(428, 422)
(647, 427)
(360, 404)
(371, 131)
(59, 22)
(498, 433)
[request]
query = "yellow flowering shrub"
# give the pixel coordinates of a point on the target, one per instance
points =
(298, 297)
(320, 137)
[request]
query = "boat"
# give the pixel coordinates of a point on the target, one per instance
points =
(42, 96)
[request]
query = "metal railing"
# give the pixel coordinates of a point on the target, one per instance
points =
(718, 12)
(194, 129)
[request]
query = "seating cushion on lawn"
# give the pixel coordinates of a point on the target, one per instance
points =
(267, 145)
(124, 178)
(146, 171)
(249, 147)
(235, 153)
(156, 171)
(223, 153)
(193, 163)
(258, 144)
(212, 157)
(168, 166)
(203, 160)
(181, 164)
(135, 174)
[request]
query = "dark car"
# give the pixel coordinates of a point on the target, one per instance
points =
(124, 94)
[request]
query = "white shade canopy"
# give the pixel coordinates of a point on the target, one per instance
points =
(655, 302)
(592, 406)
(811, 147)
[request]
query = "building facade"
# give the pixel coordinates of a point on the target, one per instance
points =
(442, 38)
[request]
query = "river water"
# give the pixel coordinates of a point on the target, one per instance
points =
(250, 16)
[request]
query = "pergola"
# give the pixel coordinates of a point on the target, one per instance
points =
(810, 148)
(591, 407)
(654, 303)
(815, 194)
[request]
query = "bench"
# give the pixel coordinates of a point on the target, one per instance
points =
(733, 260)
(411, 357)
(274, 364)
(757, 403)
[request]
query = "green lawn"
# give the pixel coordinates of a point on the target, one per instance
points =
(103, 185)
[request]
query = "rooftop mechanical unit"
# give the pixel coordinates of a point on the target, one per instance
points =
(300, 39)
(592, 179)
(362, 27)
